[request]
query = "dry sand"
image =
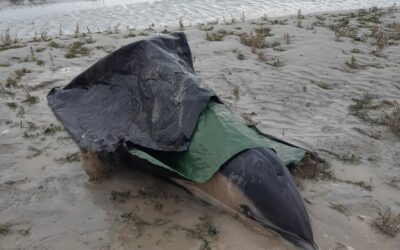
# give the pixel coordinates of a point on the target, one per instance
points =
(302, 91)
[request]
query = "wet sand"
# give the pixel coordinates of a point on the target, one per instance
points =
(303, 88)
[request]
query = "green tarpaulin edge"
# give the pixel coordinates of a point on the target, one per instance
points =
(217, 138)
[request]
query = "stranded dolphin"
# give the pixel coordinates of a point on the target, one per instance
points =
(144, 103)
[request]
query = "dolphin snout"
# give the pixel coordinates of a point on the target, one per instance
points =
(272, 197)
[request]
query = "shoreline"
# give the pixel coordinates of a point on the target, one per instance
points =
(101, 17)
(158, 30)
(299, 83)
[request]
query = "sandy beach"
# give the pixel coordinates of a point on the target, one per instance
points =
(328, 82)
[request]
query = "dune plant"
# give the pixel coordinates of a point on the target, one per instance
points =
(388, 222)
(251, 40)
(214, 36)
(261, 56)
(181, 27)
(381, 42)
(286, 37)
(394, 120)
(75, 49)
(353, 63)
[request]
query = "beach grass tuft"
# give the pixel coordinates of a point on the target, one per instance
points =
(7, 42)
(89, 40)
(240, 56)
(30, 99)
(143, 34)
(205, 27)
(11, 82)
(40, 62)
(322, 85)
(352, 63)
(53, 44)
(214, 36)
(5, 92)
(254, 41)
(180, 22)
(261, 56)
(387, 222)
(40, 49)
(286, 38)
(299, 24)
(361, 107)
(6, 39)
(129, 34)
(263, 31)
(5, 228)
(4, 65)
(382, 40)
(236, 92)
(21, 72)
(76, 49)
(394, 120)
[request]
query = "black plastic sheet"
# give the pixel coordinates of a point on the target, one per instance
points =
(145, 93)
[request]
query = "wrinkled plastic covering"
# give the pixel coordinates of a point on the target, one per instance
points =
(218, 137)
(145, 93)
(146, 96)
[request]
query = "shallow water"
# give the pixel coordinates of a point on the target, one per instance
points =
(24, 18)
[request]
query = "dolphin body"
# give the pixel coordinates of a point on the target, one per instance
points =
(256, 184)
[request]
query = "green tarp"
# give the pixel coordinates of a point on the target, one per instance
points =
(217, 138)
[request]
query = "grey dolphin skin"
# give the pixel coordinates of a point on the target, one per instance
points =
(257, 184)
(275, 201)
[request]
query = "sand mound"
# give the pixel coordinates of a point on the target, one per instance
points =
(96, 166)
